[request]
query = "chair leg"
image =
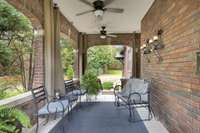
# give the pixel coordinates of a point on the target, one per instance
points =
(151, 113)
(80, 103)
(116, 101)
(69, 112)
(130, 113)
(37, 124)
(47, 120)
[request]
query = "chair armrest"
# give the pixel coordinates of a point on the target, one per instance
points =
(53, 101)
(132, 99)
(115, 88)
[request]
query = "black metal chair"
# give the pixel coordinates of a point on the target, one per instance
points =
(50, 107)
(135, 94)
(73, 91)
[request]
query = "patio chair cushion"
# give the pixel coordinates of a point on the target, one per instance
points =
(54, 107)
(135, 85)
(123, 98)
(77, 92)
(132, 85)
(71, 97)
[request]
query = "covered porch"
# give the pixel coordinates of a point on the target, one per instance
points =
(172, 64)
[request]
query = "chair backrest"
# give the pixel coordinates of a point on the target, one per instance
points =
(39, 94)
(69, 85)
(135, 85)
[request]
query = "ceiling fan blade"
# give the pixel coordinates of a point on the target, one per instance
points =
(115, 10)
(82, 13)
(108, 2)
(87, 3)
(111, 35)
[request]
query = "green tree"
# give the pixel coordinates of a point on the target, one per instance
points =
(100, 57)
(70, 72)
(67, 55)
(16, 35)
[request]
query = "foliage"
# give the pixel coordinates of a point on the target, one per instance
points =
(89, 81)
(100, 57)
(10, 86)
(115, 72)
(107, 85)
(11, 120)
(67, 55)
(16, 35)
(70, 72)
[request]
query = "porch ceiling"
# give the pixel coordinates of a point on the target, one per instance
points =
(127, 22)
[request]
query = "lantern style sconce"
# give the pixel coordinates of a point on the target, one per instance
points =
(157, 41)
(157, 45)
(153, 45)
(146, 50)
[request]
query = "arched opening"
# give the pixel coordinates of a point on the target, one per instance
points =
(111, 63)
(20, 52)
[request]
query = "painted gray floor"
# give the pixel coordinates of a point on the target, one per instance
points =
(102, 117)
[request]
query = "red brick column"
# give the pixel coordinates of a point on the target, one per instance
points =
(38, 47)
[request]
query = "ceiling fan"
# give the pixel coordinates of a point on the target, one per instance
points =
(104, 34)
(99, 7)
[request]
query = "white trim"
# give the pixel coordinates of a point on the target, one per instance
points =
(16, 100)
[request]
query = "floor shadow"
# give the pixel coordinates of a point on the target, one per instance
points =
(99, 117)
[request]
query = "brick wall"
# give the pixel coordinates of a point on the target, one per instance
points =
(38, 79)
(176, 86)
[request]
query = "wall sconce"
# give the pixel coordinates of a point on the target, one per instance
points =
(153, 45)
(157, 45)
(157, 41)
(146, 50)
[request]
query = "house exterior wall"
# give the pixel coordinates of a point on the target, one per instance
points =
(175, 94)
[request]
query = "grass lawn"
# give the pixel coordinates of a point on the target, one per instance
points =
(10, 86)
(115, 72)
(107, 85)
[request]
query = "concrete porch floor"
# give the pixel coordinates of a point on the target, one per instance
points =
(102, 116)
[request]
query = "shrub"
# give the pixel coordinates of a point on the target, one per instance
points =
(107, 85)
(10, 86)
(12, 120)
(70, 72)
(89, 81)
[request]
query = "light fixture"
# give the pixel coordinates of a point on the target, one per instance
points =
(98, 13)
(150, 41)
(157, 43)
(103, 37)
(153, 45)
(155, 38)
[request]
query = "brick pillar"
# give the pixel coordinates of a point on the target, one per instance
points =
(76, 64)
(38, 65)
(84, 54)
(80, 52)
(134, 57)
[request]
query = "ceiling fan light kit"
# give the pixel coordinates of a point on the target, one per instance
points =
(100, 7)
(104, 34)
(98, 13)
(103, 37)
